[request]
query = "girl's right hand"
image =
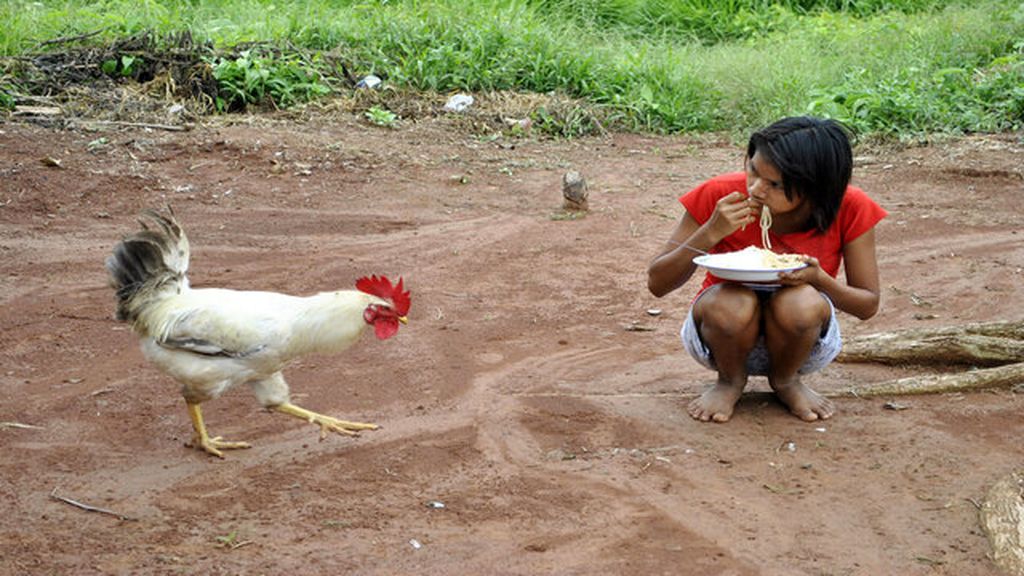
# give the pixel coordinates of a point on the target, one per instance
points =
(732, 212)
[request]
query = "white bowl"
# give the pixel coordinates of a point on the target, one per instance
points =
(726, 267)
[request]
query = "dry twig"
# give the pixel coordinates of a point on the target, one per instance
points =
(87, 507)
(168, 127)
(66, 39)
(19, 425)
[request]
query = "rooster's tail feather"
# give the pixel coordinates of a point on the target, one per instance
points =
(149, 264)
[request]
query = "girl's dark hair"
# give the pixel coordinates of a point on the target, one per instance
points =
(815, 159)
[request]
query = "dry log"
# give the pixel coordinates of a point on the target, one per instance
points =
(915, 348)
(1002, 518)
(1000, 377)
(978, 343)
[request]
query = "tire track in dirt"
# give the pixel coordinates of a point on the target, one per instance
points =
(504, 437)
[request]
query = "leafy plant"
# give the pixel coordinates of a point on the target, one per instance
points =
(381, 117)
(126, 65)
(7, 101)
(230, 541)
(251, 79)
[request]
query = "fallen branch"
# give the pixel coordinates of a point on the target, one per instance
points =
(66, 39)
(87, 507)
(169, 127)
(1002, 518)
(986, 378)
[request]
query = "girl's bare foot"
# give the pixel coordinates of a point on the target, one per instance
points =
(716, 404)
(803, 402)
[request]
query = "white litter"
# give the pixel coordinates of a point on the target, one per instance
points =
(459, 102)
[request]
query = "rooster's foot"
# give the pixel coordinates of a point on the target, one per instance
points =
(215, 445)
(202, 441)
(326, 423)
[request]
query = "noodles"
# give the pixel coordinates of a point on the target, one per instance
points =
(754, 258)
(766, 224)
(778, 261)
(771, 259)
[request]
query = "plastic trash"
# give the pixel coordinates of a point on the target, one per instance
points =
(369, 82)
(459, 102)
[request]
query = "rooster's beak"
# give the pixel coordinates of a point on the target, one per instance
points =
(403, 319)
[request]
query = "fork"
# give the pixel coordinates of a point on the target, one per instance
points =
(688, 247)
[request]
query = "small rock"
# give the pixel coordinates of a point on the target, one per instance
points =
(559, 454)
(519, 124)
(574, 190)
(635, 326)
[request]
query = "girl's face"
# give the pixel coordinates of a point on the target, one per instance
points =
(764, 185)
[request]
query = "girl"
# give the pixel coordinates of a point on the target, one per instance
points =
(799, 168)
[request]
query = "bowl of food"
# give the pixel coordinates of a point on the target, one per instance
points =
(750, 265)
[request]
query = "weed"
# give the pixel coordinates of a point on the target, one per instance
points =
(98, 144)
(565, 215)
(381, 117)
(230, 541)
(126, 65)
(7, 100)
(251, 78)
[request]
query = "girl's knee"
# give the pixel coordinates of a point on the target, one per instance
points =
(798, 309)
(728, 309)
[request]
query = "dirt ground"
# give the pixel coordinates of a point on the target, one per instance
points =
(531, 393)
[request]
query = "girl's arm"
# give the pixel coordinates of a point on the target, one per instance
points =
(860, 295)
(673, 266)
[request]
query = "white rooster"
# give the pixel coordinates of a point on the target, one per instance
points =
(212, 339)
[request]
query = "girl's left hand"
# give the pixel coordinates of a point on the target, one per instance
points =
(806, 275)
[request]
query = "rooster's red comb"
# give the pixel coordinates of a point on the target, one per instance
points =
(381, 287)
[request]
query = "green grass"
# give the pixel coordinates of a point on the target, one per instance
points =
(893, 67)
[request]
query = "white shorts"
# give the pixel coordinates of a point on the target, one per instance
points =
(824, 352)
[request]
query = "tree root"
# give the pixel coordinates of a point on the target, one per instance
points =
(1002, 518)
(982, 379)
(999, 346)
(981, 344)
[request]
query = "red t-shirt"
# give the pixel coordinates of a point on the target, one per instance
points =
(857, 214)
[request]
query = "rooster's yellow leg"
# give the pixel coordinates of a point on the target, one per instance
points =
(202, 441)
(327, 423)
